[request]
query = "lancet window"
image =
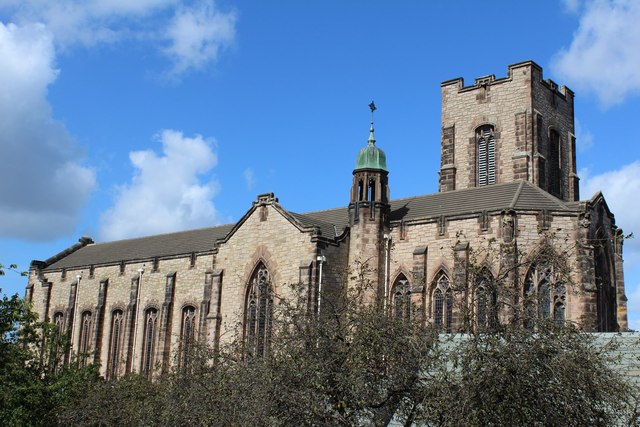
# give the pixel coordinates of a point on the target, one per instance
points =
(486, 301)
(115, 344)
(85, 336)
(401, 298)
(543, 297)
(486, 156)
(149, 339)
(442, 301)
(187, 333)
(259, 312)
(58, 320)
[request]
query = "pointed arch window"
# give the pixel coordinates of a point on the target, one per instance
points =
(543, 298)
(401, 298)
(187, 333)
(115, 344)
(149, 339)
(85, 336)
(486, 301)
(259, 312)
(555, 164)
(442, 303)
(58, 320)
(486, 156)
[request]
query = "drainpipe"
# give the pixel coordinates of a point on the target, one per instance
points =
(321, 259)
(387, 241)
(76, 318)
(135, 325)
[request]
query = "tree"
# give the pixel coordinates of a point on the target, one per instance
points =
(33, 382)
(356, 364)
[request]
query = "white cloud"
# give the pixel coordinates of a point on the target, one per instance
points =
(191, 37)
(249, 178)
(619, 188)
(571, 6)
(604, 56)
(584, 138)
(166, 192)
(196, 35)
(43, 185)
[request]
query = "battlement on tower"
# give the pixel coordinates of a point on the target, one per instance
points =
(517, 127)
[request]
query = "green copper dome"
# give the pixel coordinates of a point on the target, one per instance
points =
(371, 157)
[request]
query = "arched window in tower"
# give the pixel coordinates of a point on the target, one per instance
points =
(259, 312)
(149, 339)
(543, 298)
(372, 190)
(486, 301)
(554, 164)
(187, 333)
(115, 344)
(401, 298)
(360, 191)
(442, 301)
(486, 156)
(85, 336)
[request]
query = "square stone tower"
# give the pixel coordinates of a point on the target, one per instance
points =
(519, 127)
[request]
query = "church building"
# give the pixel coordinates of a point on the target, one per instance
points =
(508, 197)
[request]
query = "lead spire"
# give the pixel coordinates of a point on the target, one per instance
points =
(372, 138)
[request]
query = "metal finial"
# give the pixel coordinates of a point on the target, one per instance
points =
(372, 138)
(373, 108)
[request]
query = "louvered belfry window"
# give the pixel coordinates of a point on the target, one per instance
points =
(486, 161)
(259, 313)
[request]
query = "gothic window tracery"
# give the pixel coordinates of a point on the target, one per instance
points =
(85, 336)
(543, 297)
(58, 320)
(486, 301)
(187, 333)
(149, 339)
(442, 303)
(259, 312)
(486, 156)
(401, 298)
(115, 345)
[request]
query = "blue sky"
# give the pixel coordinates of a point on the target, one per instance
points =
(123, 118)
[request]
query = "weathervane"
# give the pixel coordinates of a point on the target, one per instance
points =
(373, 108)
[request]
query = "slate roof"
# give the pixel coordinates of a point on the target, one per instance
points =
(519, 195)
(161, 245)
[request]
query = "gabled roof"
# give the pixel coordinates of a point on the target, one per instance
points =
(519, 195)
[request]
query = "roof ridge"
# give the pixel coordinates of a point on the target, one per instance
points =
(161, 234)
(516, 196)
(548, 196)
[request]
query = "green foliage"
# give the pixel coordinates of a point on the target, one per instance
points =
(555, 377)
(34, 384)
(13, 268)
